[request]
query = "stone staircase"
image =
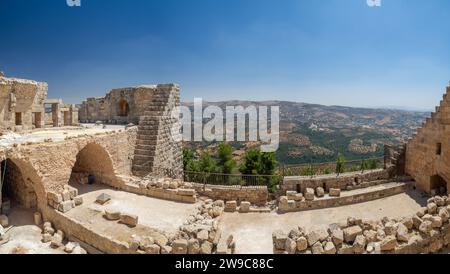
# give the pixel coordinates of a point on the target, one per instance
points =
(155, 151)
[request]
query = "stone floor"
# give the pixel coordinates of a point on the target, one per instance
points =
(153, 213)
(253, 232)
(24, 236)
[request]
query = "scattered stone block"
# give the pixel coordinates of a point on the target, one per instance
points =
(335, 192)
(389, 243)
(329, 248)
(46, 238)
(350, 233)
(230, 206)
(317, 249)
(56, 241)
(112, 215)
(69, 247)
(309, 194)
(290, 246)
(402, 233)
(186, 192)
(244, 207)
(55, 197)
(180, 247)
(302, 244)
(206, 248)
(203, 235)
(279, 239)
(337, 237)
(129, 219)
(103, 199)
(316, 236)
(320, 192)
(153, 249)
(193, 246)
(78, 200)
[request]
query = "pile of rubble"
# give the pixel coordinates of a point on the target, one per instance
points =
(182, 188)
(65, 201)
(56, 238)
(428, 231)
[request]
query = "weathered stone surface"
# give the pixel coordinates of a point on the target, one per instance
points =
(389, 243)
(291, 246)
(359, 246)
(390, 229)
(153, 249)
(56, 241)
(408, 222)
(46, 238)
(402, 233)
(329, 248)
(66, 206)
(316, 235)
(444, 214)
(317, 248)
(112, 215)
(335, 192)
(320, 192)
(180, 247)
(78, 200)
(371, 235)
(425, 227)
(350, 233)
(129, 219)
(103, 199)
(337, 236)
(244, 207)
(279, 239)
(432, 208)
(193, 246)
(37, 218)
(203, 235)
(309, 194)
(69, 247)
(206, 248)
(302, 244)
(417, 221)
(231, 206)
(78, 250)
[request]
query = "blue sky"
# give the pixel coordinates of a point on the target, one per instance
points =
(334, 52)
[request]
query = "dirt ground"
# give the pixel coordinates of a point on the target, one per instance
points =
(24, 236)
(253, 232)
(153, 213)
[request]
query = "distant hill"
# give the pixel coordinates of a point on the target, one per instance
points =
(316, 133)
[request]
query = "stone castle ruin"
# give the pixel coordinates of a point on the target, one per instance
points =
(106, 176)
(427, 156)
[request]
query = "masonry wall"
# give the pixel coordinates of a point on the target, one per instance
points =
(21, 98)
(257, 195)
(119, 106)
(428, 152)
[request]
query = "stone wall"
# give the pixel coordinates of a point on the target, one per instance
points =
(427, 157)
(49, 165)
(21, 104)
(428, 231)
(119, 106)
(291, 203)
(257, 195)
(300, 183)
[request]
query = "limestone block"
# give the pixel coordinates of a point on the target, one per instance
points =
(55, 197)
(402, 233)
(69, 247)
(103, 199)
(203, 235)
(290, 246)
(302, 244)
(129, 219)
(350, 233)
(320, 192)
(337, 236)
(279, 239)
(335, 192)
(206, 248)
(186, 192)
(66, 206)
(112, 215)
(329, 248)
(244, 207)
(231, 206)
(317, 249)
(309, 194)
(291, 195)
(359, 246)
(153, 249)
(180, 247)
(4, 221)
(389, 243)
(193, 246)
(56, 241)
(78, 200)
(46, 238)
(66, 195)
(316, 236)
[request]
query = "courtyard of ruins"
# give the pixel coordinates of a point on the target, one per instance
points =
(106, 176)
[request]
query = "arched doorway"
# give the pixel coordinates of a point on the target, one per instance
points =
(438, 185)
(16, 189)
(93, 166)
(124, 108)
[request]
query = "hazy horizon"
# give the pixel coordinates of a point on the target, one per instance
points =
(326, 52)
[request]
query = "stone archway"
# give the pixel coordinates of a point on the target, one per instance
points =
(17, 186)
(93, 166)
(124, 108)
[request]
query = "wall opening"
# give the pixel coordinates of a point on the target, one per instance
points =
(93, 167)
(16, 189)
(66, 118)
(124, 108)
(438, 148)
(37, 119)
(18, 118)
(438, 185)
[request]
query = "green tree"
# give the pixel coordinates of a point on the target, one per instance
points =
(340, 164)
(268, 163)
(225, 162)
(188, 157)
(251, 164)
(207, 163)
